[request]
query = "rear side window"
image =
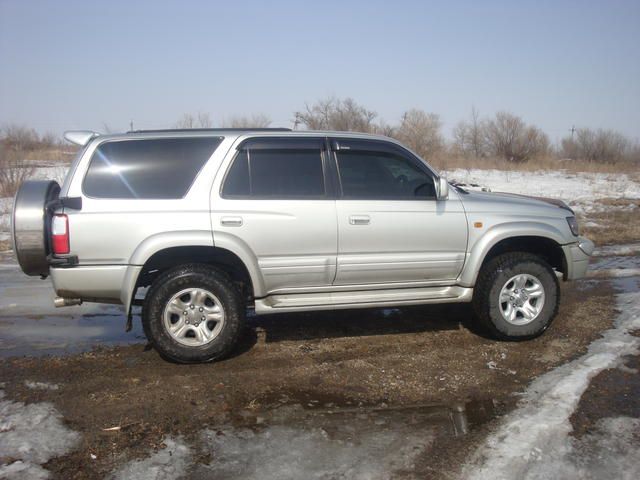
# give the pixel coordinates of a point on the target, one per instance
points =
(277, 168)
(155, 168)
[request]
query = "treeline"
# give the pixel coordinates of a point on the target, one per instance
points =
(18, 147)
(503, 136)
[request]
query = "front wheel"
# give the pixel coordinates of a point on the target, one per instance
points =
(193, 313)
(516, 296)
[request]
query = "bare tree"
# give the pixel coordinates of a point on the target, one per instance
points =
(468, 136)
(18, 137)
(605, 146)
(14, 168)
(508, 136)
(258, 120)
(336, 114)
(420, 131)
(199, 120)
(383, 128)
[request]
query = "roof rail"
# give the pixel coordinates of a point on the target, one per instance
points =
(176, 130)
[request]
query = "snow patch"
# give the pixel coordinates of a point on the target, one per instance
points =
(625, 249)
(537, 432)
(40, 385)
(31, 435)
(614, 272)
(606, 452)
(283, 452)
(23, 471)
(580, 190)
(167, 464)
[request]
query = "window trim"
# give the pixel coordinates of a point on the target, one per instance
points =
(119, 140)
(388, 148)
(329, 187)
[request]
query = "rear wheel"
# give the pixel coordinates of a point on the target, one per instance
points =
(193, 313)
(516, 296)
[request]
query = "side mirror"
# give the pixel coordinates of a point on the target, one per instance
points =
(442, 189)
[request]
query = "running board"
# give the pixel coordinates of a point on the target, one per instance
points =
(299, 302)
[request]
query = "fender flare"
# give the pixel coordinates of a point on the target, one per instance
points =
(498, 233)
(191, 238)
(152, 245)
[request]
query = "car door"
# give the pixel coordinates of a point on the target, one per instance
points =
(391, 228)
(276, 202)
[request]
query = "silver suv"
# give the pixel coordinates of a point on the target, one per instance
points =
(204, 223)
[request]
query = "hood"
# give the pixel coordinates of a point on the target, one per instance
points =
(497, 201)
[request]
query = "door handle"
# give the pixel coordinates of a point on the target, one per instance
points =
(231, 221)
(359, 219)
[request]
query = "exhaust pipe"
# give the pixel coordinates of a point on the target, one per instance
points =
(66, 302)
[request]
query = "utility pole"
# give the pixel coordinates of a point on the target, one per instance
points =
(573, 130)
(131, 125)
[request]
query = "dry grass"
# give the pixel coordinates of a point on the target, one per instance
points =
(615, 226)
(449, 162)
(57, 154)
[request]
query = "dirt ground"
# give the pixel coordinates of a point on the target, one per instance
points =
(418, 357)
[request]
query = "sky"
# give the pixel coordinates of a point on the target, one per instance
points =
(94, 64)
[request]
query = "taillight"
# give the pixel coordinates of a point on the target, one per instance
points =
(60, 234)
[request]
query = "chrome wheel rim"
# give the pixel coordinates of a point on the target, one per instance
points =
(193, 317)
(521, 299)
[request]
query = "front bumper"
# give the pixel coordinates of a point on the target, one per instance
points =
(577, 258)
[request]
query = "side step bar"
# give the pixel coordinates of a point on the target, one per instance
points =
(299, 302)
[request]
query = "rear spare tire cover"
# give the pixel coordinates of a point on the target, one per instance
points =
(30, 225)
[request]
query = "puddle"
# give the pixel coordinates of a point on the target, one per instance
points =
(31, 325)
(63, 334)
(615, 262)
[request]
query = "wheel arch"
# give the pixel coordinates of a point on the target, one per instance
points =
(539, 239)
(168, 256)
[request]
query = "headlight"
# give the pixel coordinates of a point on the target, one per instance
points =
(573, 225)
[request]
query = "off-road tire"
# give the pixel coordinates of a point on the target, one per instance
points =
(193, 276)
(493, 277)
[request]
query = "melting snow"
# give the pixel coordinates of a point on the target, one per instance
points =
(532, 441)
(286, 453)
(40, 385)
(577, 189)
(31, 435)
(167, 464)
(626, 249)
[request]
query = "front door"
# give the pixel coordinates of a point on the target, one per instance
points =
(391, 228)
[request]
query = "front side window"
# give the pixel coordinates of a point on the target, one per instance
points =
(277, 168)
(161, 168)
(371, 174)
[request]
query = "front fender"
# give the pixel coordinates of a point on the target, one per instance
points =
(497, 233)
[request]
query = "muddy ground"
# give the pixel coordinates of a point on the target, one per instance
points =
(425, 361)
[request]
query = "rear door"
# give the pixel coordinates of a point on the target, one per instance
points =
(390, 226)
(277, 202)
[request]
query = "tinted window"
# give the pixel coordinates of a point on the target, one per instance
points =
(382, 175)
(155, 168)
(278, 168)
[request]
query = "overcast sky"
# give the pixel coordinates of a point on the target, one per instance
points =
(70, 65)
